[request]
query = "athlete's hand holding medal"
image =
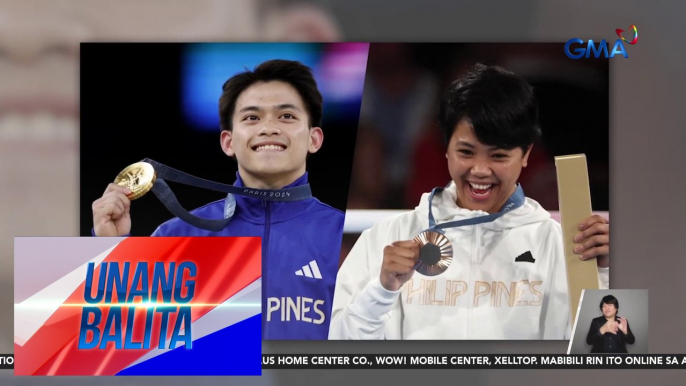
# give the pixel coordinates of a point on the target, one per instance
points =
(111, 212)
(430, 253)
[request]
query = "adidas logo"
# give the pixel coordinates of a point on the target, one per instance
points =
(526, 257)
(310, 270)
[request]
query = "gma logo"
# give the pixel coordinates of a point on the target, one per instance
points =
(584, 50)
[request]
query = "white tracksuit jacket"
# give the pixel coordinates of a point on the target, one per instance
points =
(484, 294)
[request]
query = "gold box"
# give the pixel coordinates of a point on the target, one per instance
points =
(574, 196)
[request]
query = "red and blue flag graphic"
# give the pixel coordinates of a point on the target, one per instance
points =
(139, 306)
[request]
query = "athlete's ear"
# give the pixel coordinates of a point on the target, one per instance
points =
(316, 139)
(525, 158)
(226, 140)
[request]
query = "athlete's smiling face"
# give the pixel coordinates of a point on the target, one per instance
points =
(485, 176)
(271, 135)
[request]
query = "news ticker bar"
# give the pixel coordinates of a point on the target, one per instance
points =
(462, 361)
(443, 361)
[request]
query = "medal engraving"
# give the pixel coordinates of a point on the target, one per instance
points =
(139, 178)
(435, 253)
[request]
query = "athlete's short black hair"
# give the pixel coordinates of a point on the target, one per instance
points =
(500, 106)
(294, 73)
(609, 299)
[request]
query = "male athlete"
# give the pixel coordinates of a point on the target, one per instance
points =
(507, 279)
(270, 121)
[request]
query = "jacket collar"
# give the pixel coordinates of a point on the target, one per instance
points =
(445, 208)
(255, 209)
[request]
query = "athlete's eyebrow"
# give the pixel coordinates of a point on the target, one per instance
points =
(250, 108)
(284, 106)
(490, 148)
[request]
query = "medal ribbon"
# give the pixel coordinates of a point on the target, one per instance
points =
(513, 202)
(167, 197)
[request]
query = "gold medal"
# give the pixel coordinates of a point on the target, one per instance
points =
(138, 178)
(435, 253)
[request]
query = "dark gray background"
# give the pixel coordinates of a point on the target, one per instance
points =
(648, 179)
(633, 305)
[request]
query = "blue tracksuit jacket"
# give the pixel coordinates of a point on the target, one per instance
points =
(301, 243)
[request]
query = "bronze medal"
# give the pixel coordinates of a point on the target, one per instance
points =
(138, 178)
(435, 253)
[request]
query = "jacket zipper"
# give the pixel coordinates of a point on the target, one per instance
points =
(471, 283)
(265, 243)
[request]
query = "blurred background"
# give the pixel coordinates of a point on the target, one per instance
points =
(39, 103)
(160, 101)
(400, 152)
